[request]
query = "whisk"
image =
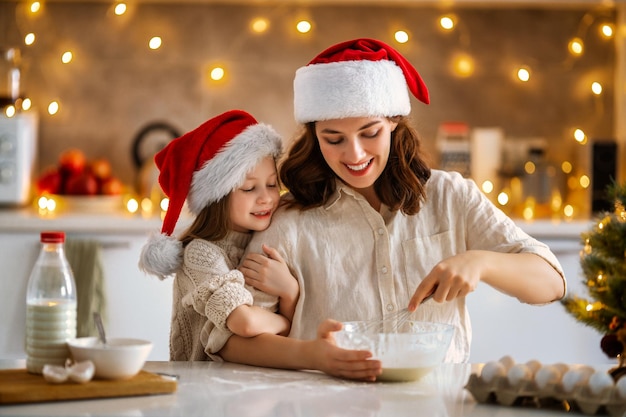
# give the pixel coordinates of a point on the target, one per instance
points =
(399, 317)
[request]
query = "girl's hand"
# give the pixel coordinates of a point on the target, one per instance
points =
(269, 273)
(333, 360)
(451, 278)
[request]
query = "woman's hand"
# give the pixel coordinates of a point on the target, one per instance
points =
(333, 360)
(453, 277)
(269, 273)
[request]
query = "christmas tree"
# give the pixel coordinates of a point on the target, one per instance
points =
(603, 262)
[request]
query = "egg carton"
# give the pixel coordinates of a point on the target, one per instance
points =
(526, 393)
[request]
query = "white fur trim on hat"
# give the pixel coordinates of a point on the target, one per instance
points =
(227, 170)
(162, 255)
(343, 89)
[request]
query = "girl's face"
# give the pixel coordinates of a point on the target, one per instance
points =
(356, 148)
(252, 204)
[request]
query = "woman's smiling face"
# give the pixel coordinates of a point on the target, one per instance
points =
(356, 148)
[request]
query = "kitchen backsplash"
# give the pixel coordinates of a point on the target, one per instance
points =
(115, 85)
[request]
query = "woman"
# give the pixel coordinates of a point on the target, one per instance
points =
(368, 228)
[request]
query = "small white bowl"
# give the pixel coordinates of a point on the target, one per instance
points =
(120, 358)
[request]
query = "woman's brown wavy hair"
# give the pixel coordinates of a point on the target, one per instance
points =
(401, 185)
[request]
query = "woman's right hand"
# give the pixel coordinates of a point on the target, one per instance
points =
(343, 363)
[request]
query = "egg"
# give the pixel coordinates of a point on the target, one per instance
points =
(548, 374)
(575, 377)
(519, 373)
(534, 365)
(621, 387)
(491, 370)
(507, 361)
(599, 381)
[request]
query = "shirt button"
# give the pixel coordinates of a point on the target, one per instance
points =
(381, 231)
(390, 307)
(383, 269)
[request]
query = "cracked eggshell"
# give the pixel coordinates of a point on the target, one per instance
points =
(491, 370)
(55, 373)
(82, 372)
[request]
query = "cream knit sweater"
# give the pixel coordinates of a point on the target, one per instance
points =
(207, 288)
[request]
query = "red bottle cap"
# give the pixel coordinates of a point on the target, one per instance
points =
(52, 237)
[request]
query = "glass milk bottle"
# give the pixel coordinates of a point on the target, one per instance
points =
(50, 305)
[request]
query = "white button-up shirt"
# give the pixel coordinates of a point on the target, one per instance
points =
(355, 263)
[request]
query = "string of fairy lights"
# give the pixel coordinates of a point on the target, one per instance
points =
(462, 65)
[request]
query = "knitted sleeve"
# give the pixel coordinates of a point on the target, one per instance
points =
(218, 290)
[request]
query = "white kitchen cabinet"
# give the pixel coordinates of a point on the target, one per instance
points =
(504, 326)
(138, 305)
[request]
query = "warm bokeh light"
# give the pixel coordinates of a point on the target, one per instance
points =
(66, 58)
(584, 181)
(260, 25)
(463, 65)
(53, 108)
(120, 9)
(26, 104)
(29, 39)
(165, 203)
(576, 46)
(606, 30)
(217, 73)
(487, 187)
(155, 42)
(446, 22)
(503, 198)
(566, 167)
(523, 74)
(303, 26)
(568, 211)
(529, 167)
(401, 36)
(10, 111)
(132, 205)
(580, 137)
(596, 88)
(35, 7)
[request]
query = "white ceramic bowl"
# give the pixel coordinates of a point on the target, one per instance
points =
(120, 358)
(407, 352)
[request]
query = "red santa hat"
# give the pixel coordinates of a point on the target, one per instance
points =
(357, 78)
(201, 167)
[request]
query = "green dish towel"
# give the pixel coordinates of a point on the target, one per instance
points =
(85, 258)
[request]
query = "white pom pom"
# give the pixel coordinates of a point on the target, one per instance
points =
(599, 381)
(507, 361)
(549, 374)
(518, 373)
(162, 255)
(492, 370)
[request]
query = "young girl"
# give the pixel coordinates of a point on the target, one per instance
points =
(226, 170)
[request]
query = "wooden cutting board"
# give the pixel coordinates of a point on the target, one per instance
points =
(19, 386)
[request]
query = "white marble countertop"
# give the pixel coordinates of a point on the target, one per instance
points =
(228, 390)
